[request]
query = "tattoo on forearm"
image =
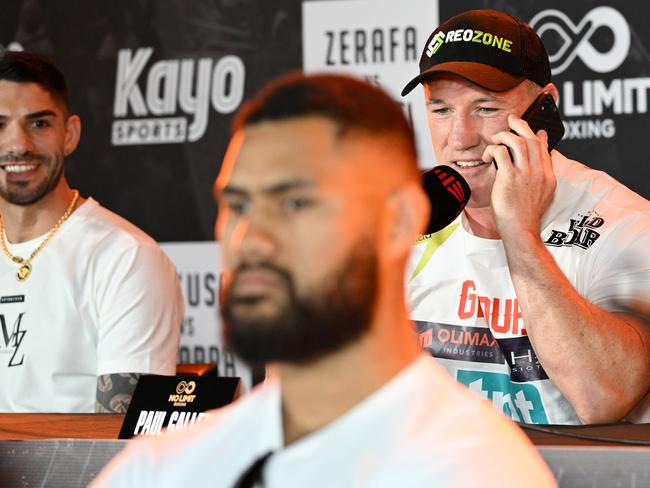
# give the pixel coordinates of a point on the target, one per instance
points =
(114, 392)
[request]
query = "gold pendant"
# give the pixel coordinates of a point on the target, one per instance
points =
(23, 272)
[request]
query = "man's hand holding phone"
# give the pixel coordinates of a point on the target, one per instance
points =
(525, 183)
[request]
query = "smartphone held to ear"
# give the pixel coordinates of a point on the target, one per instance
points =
(544, 114)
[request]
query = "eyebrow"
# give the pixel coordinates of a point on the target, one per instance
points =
(273, 190)
(484, 99)
(40, 114)
(34, 115)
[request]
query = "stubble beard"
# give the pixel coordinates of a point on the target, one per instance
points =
(306, 328)
(17, 193)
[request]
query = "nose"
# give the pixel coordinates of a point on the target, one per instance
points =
(257, 242)
(16, 139)
(463, 133)
(249, 238)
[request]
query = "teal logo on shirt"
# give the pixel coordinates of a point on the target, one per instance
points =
(519, 401)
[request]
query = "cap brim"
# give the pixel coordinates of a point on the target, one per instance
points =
(485, 76)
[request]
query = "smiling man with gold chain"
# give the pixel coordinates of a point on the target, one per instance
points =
(87, 300)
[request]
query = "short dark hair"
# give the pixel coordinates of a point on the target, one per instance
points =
(353, 104)
(30, 67)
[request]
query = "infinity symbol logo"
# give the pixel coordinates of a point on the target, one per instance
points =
(185, 387)
(576, 38)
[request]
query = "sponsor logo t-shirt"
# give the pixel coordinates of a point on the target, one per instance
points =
(465, 309)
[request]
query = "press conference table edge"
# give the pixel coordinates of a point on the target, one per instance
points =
(44, 426)
(26, 440)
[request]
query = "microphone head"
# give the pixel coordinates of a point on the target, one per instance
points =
(448, 194)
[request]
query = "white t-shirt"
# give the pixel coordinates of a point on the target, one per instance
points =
(464, 305)
(102, 299)
(419, 429)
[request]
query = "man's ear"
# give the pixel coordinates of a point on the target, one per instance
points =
(409, 211)
(552, 89)
(72, 134)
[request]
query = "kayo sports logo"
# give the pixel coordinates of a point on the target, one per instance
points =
(159, 110)
(576, 39)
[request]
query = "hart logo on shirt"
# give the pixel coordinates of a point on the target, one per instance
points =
(519, 401)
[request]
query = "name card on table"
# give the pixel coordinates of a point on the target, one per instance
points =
(175, 402)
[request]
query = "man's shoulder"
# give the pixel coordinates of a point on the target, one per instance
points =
(579, 182)
(449, 408)
(594, 207)
(238, 420)
(445, 432)
(440, 410)
(101, 224)
(219, 447)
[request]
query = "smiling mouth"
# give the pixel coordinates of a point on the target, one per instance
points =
(469, 164)
(19, 168)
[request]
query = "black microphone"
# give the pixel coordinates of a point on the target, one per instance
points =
(448, 194)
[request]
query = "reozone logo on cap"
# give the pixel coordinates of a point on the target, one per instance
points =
(468, 35)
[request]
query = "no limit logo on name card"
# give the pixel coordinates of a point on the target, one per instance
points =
(175, 402)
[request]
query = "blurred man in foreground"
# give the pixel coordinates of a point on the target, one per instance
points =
(319, 202)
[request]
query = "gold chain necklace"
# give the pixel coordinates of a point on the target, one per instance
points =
(26, 264)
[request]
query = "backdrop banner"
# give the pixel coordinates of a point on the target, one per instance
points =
(198, 265)
(156, 84)
(380, 41)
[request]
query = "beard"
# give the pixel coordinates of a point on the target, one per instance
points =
(19, 192)
(304, 328)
